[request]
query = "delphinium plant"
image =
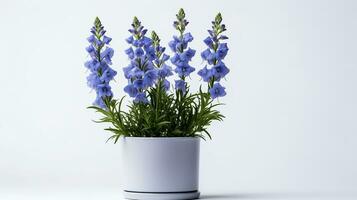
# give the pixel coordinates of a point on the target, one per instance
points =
(158, 108)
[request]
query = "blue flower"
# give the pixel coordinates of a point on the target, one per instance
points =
(137, 73)
(165, 57)
(150, 53)
(165, 71)
(187, 55)
(131, 72)
(175, 59)
(217, 91)
(148, 65)
(173, 43)
(107, 55)
(130, 53)
(131, 90)
(146, 42)
(187, 37)
(139, 84)
(91, 39)
(137, 43)
(205, 74)
(139, 52)
(92, 65)
(205, 54)
(104, 90)
(99, 102)
(106, 39)
(130, 39)
(127, 71)
(150, 77)
(103, 66)
(184, 70)
(141, 98)
(91, 50)
(222, 51)
(143, 32)
(93, 80)
(133, 31)
(208, 56)
(180, 85)
(159, 49)
(108, 75)
(219, 70)
(181, 46)
(208, 41)
(98, 42)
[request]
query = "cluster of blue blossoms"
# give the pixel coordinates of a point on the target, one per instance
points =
(99, 64)
(214, 55)
(163, 70)
(148, 61)
(141, 72)
(182, 54)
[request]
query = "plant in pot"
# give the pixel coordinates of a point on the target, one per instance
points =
(161, 127)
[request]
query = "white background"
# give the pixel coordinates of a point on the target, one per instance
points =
(291, 108)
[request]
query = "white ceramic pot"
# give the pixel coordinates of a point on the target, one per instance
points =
(160, 168)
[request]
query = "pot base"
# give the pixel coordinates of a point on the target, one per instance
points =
(161, 195)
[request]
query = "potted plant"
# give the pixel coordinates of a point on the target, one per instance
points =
(161, 127)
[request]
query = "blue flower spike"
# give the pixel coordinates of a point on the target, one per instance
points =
(182, 53)
(99, 63)
(163, 70)
(216, 51)
(140, 73)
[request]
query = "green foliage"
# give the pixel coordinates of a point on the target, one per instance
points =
(167, 115)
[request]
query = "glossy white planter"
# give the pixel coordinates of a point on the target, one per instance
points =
(160, 168)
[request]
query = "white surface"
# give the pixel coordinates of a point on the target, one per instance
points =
(162, 165)
(112, 194)
(291, 103)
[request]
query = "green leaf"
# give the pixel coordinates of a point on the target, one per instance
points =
(116, 139)
(110, 138)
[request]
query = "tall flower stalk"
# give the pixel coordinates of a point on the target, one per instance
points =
(182, 54)
(99, 64)
(215, 70)
(141, 73)
(163, 70)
